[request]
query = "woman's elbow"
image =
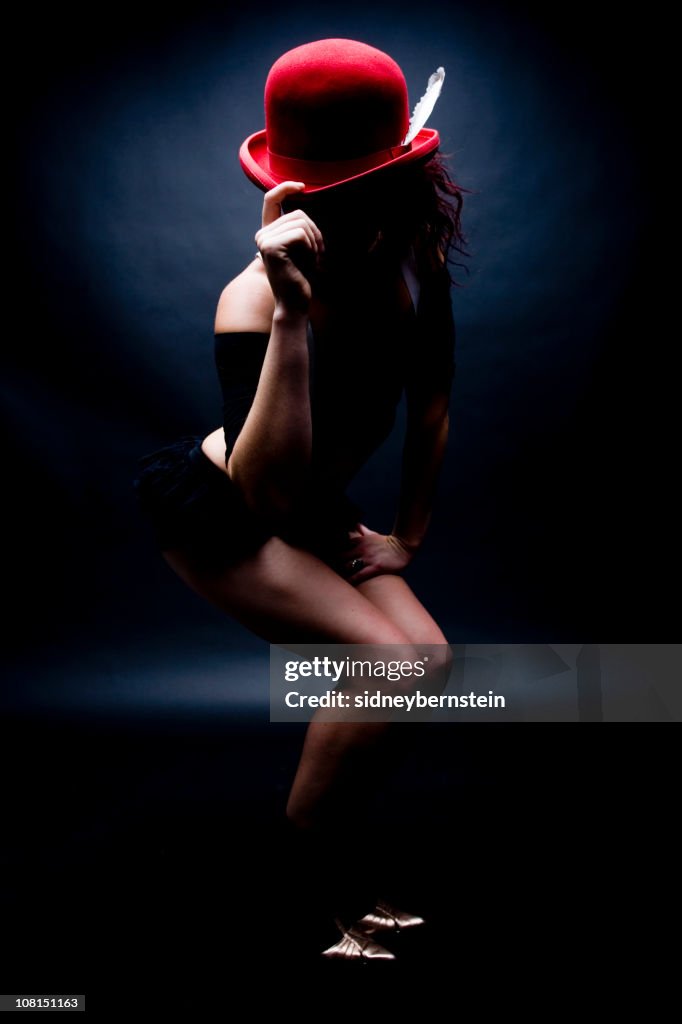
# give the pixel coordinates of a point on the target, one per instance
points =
(267, 500)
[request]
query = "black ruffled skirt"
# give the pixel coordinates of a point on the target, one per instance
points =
(194, 506)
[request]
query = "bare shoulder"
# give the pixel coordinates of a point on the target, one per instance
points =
(246, 302)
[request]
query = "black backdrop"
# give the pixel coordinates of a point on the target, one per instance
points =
(129, 213)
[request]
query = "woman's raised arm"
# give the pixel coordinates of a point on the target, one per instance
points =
(270, 460)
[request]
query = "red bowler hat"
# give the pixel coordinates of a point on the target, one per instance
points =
(337, 110)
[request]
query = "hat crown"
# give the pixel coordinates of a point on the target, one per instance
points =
(335, 99)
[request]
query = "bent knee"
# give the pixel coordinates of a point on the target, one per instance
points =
(429, 635)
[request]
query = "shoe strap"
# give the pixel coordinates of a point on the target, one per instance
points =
(389, 911)
(351, 936)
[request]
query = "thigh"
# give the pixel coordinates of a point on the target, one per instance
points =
(391, 595)
(286, 594)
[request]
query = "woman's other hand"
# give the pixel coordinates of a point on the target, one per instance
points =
(290, 245)
(370, 554)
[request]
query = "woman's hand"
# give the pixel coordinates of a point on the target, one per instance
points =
(290, 245)
(370, 554)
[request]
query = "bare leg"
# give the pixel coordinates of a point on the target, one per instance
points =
(287, 595)
(392, 596)
(327, 742)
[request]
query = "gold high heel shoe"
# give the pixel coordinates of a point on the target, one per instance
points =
(384, 917)
(355, 945)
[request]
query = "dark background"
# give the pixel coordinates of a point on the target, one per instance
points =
(133, 714)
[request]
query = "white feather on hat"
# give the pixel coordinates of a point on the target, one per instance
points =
(423, 109)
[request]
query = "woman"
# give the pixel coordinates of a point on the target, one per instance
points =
(346, 303)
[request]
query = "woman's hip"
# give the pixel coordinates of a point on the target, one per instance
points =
(193, 506)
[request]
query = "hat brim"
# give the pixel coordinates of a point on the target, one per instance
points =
(253, 157)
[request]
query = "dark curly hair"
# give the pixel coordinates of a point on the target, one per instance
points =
(416, 204)
(428, 206)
